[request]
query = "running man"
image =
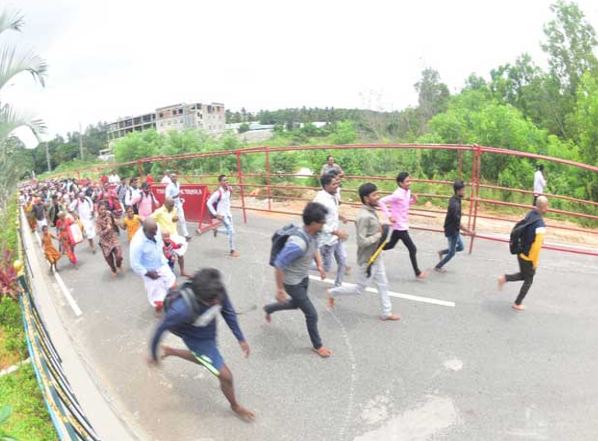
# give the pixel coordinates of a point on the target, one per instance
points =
(166, 217)
(219, 205)
(192, 317)
(452, 228)
(292, 273)
(533, 238)
(173, 190)
(148, 261)
(396, 208)
(369, 233)
(83, 208)
(331, 239)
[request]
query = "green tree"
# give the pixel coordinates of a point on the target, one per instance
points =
(432, 96)
(344, 133)
(586, 123)
(14, 62)
(570, 43)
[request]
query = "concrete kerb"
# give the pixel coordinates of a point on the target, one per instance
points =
(102, 411)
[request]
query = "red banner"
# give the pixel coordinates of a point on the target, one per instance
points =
(195, 197)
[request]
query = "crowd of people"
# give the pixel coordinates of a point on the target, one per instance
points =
(67, 212)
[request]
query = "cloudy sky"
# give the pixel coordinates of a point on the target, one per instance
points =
(114, 58)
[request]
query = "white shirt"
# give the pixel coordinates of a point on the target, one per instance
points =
(114, 179)
(173, 190)
(132, 196)
(83, 208)
(539, 183)
(223, 207)
(330, 201)
(166, 180)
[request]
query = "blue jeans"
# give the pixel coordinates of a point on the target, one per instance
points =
(455, 244)
(338, 252)
(227, 221)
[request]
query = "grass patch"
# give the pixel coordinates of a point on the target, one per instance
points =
(29, 420)
(19, 390)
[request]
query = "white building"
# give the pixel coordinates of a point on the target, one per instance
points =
(207, 117)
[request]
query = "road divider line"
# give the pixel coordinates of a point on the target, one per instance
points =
(67, 295)
(398, 295)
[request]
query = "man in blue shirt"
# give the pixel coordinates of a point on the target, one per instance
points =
(191, 315)
(292, 270)
(147, 261)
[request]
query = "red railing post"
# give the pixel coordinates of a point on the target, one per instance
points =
(460, 161)
(139, 169)
(471, 193)
(476, 191)
(241, 186)
(268, 188)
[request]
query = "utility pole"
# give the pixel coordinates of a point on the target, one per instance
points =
(48, 157)
(80, 143)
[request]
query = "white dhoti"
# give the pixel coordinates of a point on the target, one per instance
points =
(88, 228)
(179, 240)
(157, 289)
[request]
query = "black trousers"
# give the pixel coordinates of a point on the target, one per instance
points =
(526, 273)
(300, 300)
(404, 236)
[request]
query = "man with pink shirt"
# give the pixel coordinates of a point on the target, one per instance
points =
(146, 202)
(396, 208)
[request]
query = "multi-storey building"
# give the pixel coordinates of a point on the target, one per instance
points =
(129, 124)
(207, 117)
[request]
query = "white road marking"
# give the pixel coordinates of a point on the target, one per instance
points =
(398, 295)
(67, 295)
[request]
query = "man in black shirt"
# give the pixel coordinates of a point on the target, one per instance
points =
(452, 227)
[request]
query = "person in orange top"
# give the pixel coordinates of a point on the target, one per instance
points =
(131, 223)
(67, 242)
(51, 253)
(533, 238)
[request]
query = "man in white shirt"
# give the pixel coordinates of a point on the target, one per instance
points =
(219, 205)
(133, 195)
(173, 190)
(539, 182)
(331, 237)
(82, 206)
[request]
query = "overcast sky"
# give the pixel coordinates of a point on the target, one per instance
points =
(114, 58)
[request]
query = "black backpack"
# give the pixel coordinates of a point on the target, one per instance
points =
(188, 296)
(280, 237)
(516, 239)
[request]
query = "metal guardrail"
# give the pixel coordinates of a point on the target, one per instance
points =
(67, 416)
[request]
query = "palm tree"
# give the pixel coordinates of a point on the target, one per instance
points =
(14, 62)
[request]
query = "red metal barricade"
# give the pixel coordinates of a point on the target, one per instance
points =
(472, 205)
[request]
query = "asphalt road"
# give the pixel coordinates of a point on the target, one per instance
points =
(475, 371)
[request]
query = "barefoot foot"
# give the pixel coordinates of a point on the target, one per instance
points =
(330, 299)
(390, 317)
(323, 352)
(243, 413)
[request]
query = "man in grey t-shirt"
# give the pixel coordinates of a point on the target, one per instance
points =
(292, 267)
